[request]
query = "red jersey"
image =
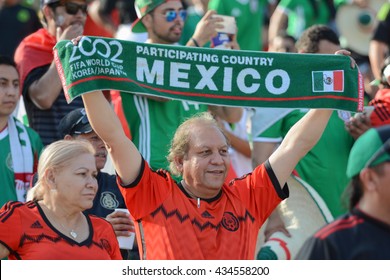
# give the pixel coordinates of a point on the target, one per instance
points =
(381, 102)
(27, 233)
(172, 225)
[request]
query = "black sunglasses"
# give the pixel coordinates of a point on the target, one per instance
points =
(83, 120)
(73, 8)
(385, 148)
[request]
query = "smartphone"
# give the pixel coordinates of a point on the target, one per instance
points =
(229, 25)
(367, 110)
(60, 20)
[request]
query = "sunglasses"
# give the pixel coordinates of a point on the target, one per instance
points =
(171, 15)
(73, 8)
(82, 120)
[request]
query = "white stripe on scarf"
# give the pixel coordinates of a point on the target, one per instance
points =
(22, 156)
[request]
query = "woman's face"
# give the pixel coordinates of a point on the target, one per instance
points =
(76, 183)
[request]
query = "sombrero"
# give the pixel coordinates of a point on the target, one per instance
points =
(356, 25)
(303, 213)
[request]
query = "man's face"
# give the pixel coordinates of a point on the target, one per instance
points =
(64, 18)
(160, 29)
(207, 162)
(9, 89)
(327, 47)
(283, 45)
(100, 148)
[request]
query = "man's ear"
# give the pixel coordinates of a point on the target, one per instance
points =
(369, 178)
(179, 164)
(147, 20)
(68, 137)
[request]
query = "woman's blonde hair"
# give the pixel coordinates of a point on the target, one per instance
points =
(55, 156)
(180, 141)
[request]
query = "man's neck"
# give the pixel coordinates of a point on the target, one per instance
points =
(375, 208)
(151, 41)
(3, 122)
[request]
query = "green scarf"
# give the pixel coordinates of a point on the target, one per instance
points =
(219, 77)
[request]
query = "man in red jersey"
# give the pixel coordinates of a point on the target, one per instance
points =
(200, 217)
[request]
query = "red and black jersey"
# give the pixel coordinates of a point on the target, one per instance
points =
(172, 225)
(354, 236)
(27, 233)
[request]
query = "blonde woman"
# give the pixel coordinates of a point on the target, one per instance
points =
(52, 225)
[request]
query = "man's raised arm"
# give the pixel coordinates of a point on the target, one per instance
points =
(104, 121)
(300, 139)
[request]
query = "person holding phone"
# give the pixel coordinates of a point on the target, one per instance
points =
(40, 84)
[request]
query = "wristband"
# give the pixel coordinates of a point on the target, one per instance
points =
(195, 42)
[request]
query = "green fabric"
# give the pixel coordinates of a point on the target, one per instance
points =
(219, 77)
(249, 18)
(301, 15)
(383, 12)
(364, 149)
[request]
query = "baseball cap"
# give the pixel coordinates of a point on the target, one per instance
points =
(370, 149)
(143, 7)
(75, 122)
(48, 2)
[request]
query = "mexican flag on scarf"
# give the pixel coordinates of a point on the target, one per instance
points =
(328, 81)
(210, 76)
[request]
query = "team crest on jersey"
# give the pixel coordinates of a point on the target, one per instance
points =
(105, 244)
(108, 200)
(230, 222)
(8, 162)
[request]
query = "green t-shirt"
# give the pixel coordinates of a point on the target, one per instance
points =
(249, 18)
(301, 15)
(324, 166)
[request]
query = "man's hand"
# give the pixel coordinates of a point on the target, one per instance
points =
(206, 28)
(233, 44)
(275, 224)
(121, 222)
(347, 53)
(70, 32)
(358, 124)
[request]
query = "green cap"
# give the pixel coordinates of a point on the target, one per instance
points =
(366, 148)
(143, 7)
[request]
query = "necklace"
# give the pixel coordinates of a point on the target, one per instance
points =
(72, 232)
(191, 194)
